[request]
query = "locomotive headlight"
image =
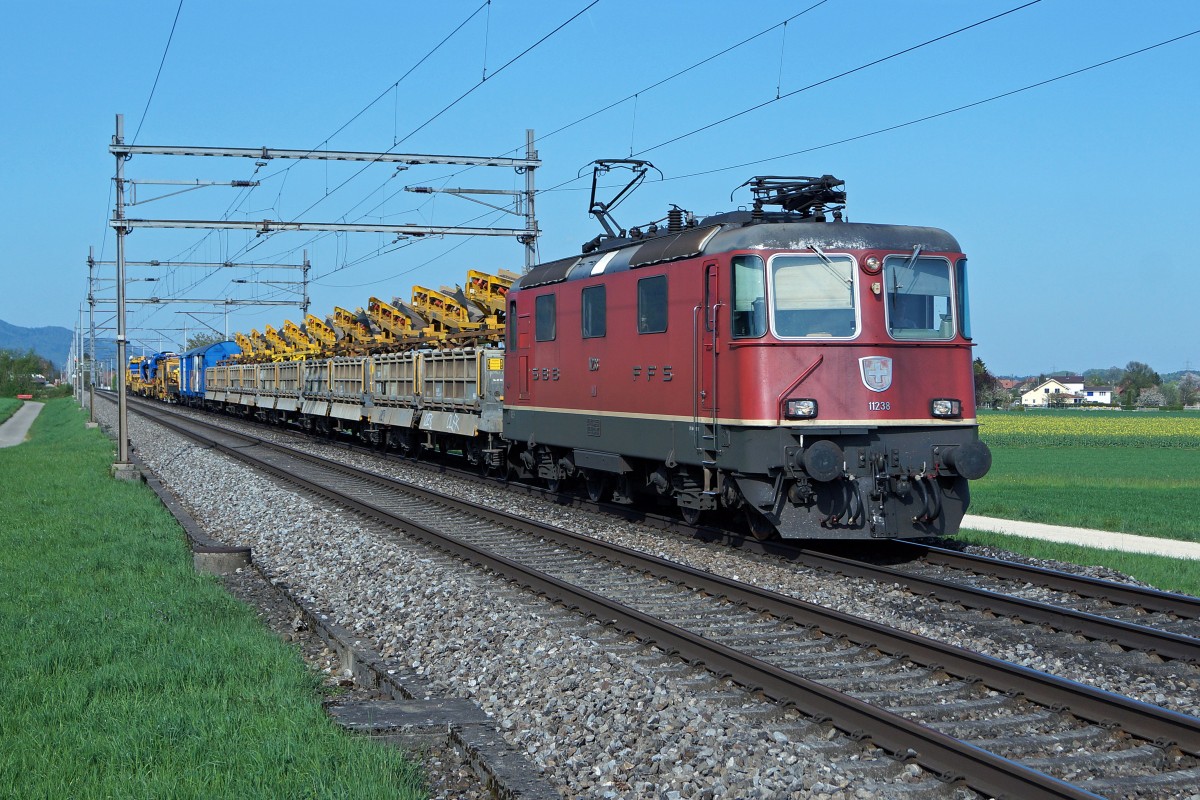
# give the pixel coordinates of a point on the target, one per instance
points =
(945, 408)
(872, 264)
(800, 408)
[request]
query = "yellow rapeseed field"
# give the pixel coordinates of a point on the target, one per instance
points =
(1090, 429)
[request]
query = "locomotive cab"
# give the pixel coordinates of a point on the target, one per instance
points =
(866, 351)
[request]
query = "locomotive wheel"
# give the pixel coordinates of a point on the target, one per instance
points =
(690, 515)
(760, 527)
(597, 486)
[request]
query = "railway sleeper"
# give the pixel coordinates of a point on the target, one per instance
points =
(1125, 761)
(935, 690)
(1037, 743)
(833, 663)
(984, 728)
(964, 705)
(1185, 778)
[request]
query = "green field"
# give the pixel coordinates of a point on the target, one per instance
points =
(128, 674)
(1132, 472)
(1133, 490)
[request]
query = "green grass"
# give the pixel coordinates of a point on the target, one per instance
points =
(126, 673)
(8, 407)
(1170, 574)
(1130, 472)
(1143, 491)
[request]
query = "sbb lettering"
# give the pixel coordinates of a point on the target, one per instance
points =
(653, 370)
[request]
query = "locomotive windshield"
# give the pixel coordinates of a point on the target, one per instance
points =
(919, 297)
(813, 296)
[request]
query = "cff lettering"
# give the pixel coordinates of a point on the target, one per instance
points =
(653, 371)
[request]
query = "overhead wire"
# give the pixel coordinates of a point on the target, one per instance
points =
(158, 74)
(452, 104)
(943, 113)
(876, 62)
(680, 73)
(633, 96)
(286, 170)
(153, 88)
(247, 248)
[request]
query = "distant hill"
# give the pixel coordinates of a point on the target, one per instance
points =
(52, 342)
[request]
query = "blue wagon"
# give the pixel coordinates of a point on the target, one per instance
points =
(193, 363)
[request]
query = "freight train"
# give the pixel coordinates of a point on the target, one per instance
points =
(777, 363)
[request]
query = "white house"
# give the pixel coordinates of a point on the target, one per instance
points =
(1051, 392)
(1072, 383)
(1098, 394)
(1068, 391)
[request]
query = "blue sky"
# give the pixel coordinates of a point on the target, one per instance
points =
(1075, 200)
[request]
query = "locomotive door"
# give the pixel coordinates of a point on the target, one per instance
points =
(524, 325)
(706, 336)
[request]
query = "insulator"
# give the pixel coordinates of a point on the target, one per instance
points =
(675, 220)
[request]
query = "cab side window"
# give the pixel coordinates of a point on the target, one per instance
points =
(652, 304)
(544, 317)
(593, 314)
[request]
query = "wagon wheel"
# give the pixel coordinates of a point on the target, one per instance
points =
(596, 484)
(760, 527)
(473, 452)
(690, 515)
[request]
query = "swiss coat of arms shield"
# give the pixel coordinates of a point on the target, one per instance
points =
(876, 372)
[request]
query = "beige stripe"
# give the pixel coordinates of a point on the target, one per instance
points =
(757, 423)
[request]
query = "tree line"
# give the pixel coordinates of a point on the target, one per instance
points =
(19, 372)
(1136, 386)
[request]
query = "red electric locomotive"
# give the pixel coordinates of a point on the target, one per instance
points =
(810, 373)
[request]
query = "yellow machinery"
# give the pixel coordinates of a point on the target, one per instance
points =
(322, 335)
(166, 378)
(262, 348)
(470, 317)
(302, 344)
(133, 377)
(449, 317)
(354, 329)
(399, 324)
(447, 314)
(247, 346)
(488, 292)
(281, 349)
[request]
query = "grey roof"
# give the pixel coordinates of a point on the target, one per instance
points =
(737, 231)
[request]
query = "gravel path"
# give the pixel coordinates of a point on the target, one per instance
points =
(602, 716)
